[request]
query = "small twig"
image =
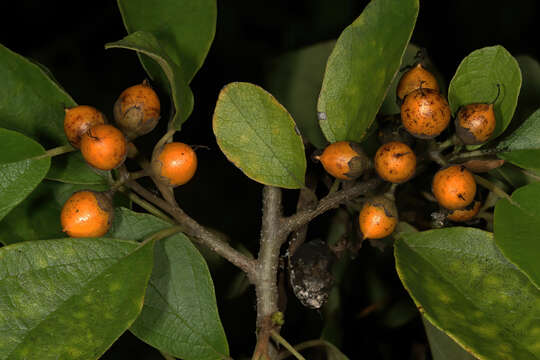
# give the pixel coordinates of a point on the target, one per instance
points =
(330, 201)
(199, 233)
(147, 206)
(302, 346)
(56, 151)
(167, 356)
(165, 233)
(286, 345)
(165, 139)
(471, 154)
(530, 174)
(494, 188)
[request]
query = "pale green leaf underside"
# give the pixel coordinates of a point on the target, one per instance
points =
(258, 135)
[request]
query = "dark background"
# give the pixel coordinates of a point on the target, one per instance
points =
(68, 38)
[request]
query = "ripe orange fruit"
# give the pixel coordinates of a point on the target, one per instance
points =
(378, 218)
(415, 78)
(137, 110)
(104, 147)
(87, 213)
(175, 163)
(78, 120)
(465, 214)
(395, 162)
(344, 160)
(425, 113)
(475, 123)
(454, 187)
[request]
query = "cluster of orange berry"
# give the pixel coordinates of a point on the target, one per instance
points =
(425, 114)
(89, 213)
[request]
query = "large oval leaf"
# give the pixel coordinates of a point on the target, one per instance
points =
(22, 167)
(517, 230)
(522, 147)
(69, 298)
(476, 79)
(361, 67)
(179, 315)
(466, 287)
(30, 101)
(295, 79)
(529, 95)
(38, 216)
(258, 135)
(442, 346)
(72, 168)
(146, 43)
(184, 29)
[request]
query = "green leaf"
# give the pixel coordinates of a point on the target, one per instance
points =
(69, 298)
(180, 314)
(38, 216)
(362, 66)
(476, 81)
(467, 288)
(522, 147)
(30, 101)
(258, 135)
(529, 96)
(72, 168)
(442, 346)
(146, 43)
(517, 230)
(184, 28)
(21, 168)
(515, 176)
(295, 79)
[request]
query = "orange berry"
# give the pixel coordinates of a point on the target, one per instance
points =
(104, 147)
(78, 120)
(87, 213)
(344, 160)
(395, 162)
(465, 214)
(454, 187)
(137, 110)
(175, 163)
(413, 78)
(475, 123)
(425, 113)
(378, 218)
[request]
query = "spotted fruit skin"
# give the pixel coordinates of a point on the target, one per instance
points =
(466, 214)
(175, 163)
(87, 213)
(137, 110)
(475, 123)
(78, 120)
(104, 147)
(344, 160)
(415, 78)
(395, 162)
(454, 187)
(425, 113)
(378, 218)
